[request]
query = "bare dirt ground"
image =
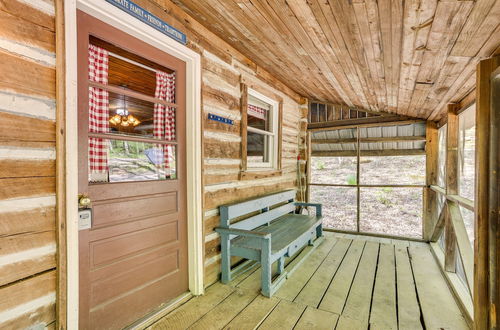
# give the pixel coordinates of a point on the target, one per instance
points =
(392, 211)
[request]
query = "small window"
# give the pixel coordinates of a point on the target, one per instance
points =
(262, 132)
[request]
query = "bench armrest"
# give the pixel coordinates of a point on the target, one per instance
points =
(316, 205)
(242, 232)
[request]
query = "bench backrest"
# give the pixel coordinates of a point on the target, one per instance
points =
(233, 211)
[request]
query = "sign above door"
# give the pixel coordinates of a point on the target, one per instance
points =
(150, 19)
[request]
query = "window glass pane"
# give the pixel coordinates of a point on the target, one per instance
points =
(125, 161)
(468, 217)
(132, 72)
(334, 170)
(258, 148)
(339, 206)
(391, 211)
(466, 152)
(441, 177)
(392, 170)
(259, 114)
(131, 116)
(460, 269)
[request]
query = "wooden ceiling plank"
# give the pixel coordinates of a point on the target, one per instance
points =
(417, 28)
(368, 22)
(311, 66)
(484, 18)
(396, 48)
(308, 20)
(335, 17)
(332, 32)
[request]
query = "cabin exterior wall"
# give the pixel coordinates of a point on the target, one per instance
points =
(28, 244)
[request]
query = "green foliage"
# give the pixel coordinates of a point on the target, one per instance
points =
(383, 196)
(351, 179)
(320, 165)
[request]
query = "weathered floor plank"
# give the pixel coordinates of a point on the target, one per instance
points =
(316, 319)
(358, 283)
(284, 316)
(223, 313)
(295, 283)
(194, 309)
(383, 314)
(254, 313)
(358, 302)
(336, 295)
(408, 308)
(313, 291)
(438, 305)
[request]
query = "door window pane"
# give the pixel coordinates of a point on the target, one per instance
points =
(126, 161)
(391, 211)
(339, 206)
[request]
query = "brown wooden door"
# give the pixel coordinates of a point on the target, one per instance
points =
(134, 257)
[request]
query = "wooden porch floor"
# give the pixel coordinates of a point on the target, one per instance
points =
(347, 282)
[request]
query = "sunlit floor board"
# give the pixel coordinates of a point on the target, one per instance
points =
(347, 282)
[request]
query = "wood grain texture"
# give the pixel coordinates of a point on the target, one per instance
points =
(408, 58)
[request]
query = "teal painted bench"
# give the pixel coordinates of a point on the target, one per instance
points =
(267, 237)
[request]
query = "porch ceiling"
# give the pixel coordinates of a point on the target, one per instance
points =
(410, 58)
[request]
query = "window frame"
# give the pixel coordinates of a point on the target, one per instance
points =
(274, 144)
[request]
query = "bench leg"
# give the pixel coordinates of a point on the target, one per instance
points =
(319, 231)
(226, 259)
(281, 265)
(265, 262)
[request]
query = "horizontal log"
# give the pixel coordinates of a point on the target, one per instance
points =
(369, 153)
(26, 187)
(21, 128)
(220, 98)
(221, 149)
(29, 13)
(40, 288)
(26, 168)
(231, 195)
(31, 221)
(26, 77)
(27, 33)
(370, 140)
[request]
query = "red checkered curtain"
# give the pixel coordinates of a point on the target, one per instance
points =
(164, 117)
(256, 111)
(98, 115)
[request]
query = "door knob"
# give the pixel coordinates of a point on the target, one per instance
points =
(84, 201)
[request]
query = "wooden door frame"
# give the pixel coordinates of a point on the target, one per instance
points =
(69, 282)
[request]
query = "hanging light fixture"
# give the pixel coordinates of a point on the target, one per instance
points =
(123, 117)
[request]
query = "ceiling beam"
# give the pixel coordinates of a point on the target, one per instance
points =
(369, 153)
(370, 139)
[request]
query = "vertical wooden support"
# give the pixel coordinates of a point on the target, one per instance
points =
(358, 191)
(308, 167)
(243, 128)
(266, 267)
(451, 184)
(61, 301)
(431, 173)
(486, 300)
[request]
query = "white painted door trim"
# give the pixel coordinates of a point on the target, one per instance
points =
(119, 19)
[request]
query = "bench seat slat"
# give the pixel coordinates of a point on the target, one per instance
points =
(263, 218)
(239, 209)
(284, 230)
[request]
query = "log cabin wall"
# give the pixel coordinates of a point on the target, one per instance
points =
(27, 164)
(224, 69)
(27, 148)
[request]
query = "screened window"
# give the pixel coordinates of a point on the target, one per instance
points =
(466, 152)
(262, 131)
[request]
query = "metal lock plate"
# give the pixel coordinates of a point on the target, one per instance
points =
(84, 219)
